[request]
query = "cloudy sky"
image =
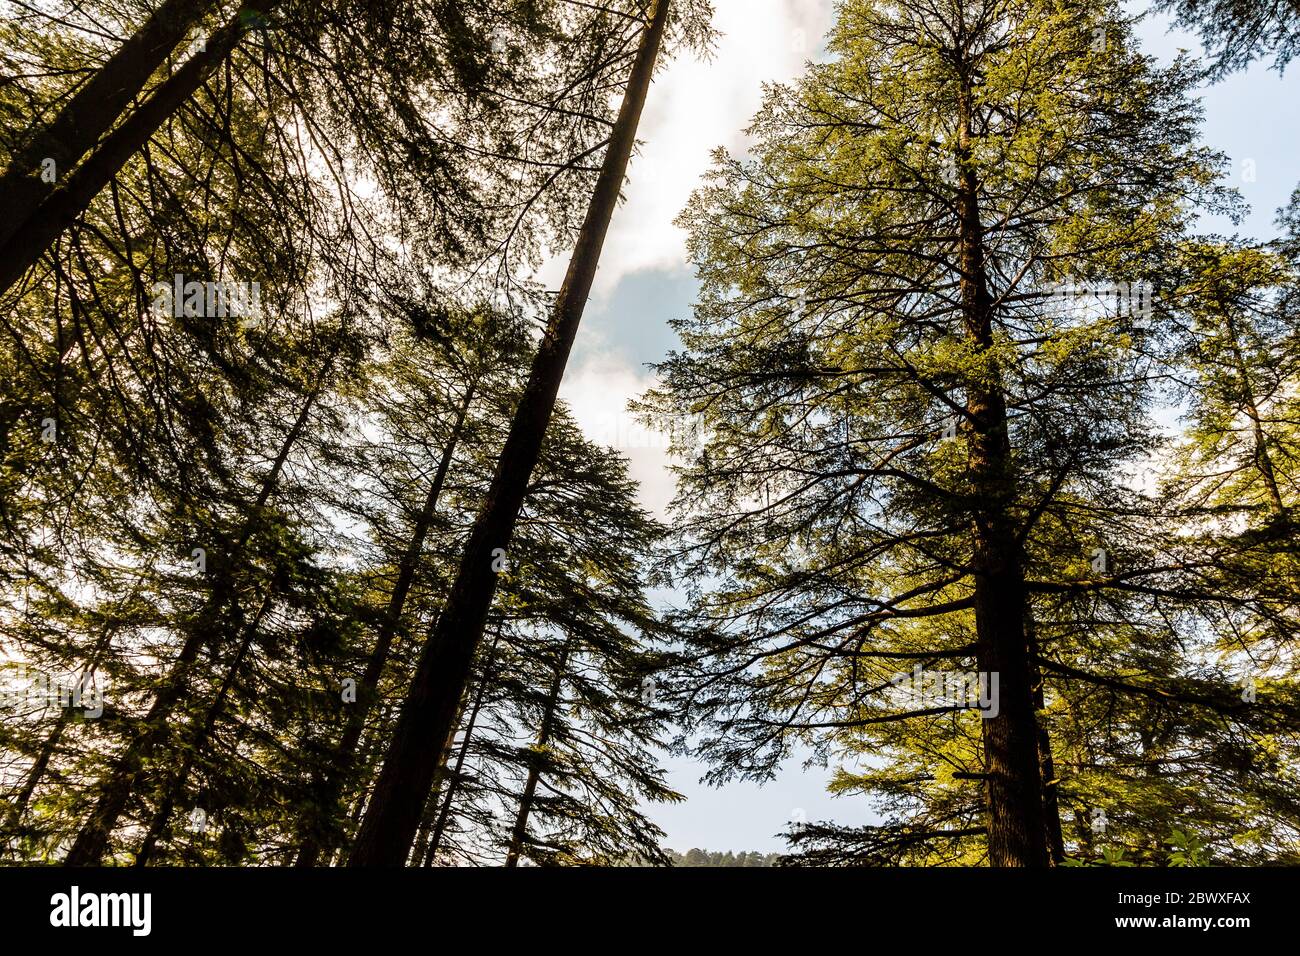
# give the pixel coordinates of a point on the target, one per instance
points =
(645, 280)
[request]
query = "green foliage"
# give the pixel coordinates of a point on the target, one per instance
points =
(207, 513)
(244, 530)
(1237, 32)
(832, 524)
(696, 857)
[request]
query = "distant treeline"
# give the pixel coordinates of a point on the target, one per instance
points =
(698, 857)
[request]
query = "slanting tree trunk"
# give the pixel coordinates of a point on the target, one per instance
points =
(70, 199)
(92, 840)
(454, 777)
(393, 816)
(430, 810)
(520, 832)
(1016, 826)
(344, 757)
(176, 785)
(91, 111)
(18, 804)
(357, 806)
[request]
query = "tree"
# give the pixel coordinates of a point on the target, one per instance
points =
(220, 615)
(582, 665)
(477, 349)
(90, 109)
(1237, 32)
(160, 418)
(390, 823)
(31, 235)
(909, 444)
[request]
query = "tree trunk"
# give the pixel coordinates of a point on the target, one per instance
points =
(344, 758)
(68, 201)
(92, 840)
(89, 113)
(1017, 828)
(391, 820)
(454, 778)
(431, 805)
(520, 832)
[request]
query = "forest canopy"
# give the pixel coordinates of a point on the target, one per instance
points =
(986, 448)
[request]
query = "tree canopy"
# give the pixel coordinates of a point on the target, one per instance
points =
(987, 448)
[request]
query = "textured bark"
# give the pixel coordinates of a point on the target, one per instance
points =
(68, 201)
(389, 826)
(92, 110)
(1017, 829)
(344, 757)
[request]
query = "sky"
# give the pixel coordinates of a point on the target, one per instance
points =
(645, 280)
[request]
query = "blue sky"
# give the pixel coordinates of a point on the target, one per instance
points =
(645, 281)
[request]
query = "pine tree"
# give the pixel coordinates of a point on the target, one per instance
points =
(55, 144)
(391, 822)
(913, 429)
(1237, 32)
(168, 431)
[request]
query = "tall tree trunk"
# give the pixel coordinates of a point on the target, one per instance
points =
(454, 777)
(1017, 829)
(92, 840)
(520, 832)
(344, 757)
(391, 820)
(69, 200)
(430, 810)
(357, 806)
(89, 113)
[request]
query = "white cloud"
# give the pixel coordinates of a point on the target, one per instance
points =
(597, 391)
(694, 107)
